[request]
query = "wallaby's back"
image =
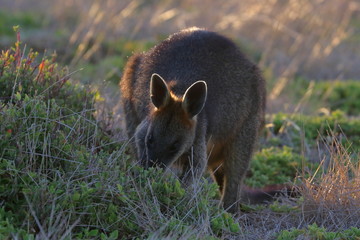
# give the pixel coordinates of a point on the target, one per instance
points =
(233, 114)
(235, 87)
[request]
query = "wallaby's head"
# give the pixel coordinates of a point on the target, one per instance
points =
(169, 130)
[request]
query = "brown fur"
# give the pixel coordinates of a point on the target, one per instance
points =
(210, 125)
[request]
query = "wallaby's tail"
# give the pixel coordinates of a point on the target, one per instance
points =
(267, 194)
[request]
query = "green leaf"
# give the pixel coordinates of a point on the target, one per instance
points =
(93, 233)
(114, 234)
(76, 196)
(18, 96)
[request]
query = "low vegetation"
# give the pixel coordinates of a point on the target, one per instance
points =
(62, 178)
(306, 129)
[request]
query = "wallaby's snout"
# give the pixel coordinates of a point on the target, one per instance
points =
(150, 159)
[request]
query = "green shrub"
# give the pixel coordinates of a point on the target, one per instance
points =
(342, 95)
(313, 128)
(47, 131)
(7, 228)
(21, 74)
(334, 95)
(273, 166)
(26, 20)
(315, 232)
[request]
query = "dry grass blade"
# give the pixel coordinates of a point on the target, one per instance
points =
(38, 223)
(334, 199)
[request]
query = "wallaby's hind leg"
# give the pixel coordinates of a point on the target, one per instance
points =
(238, 153)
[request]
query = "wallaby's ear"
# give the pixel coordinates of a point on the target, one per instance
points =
(159, 92)
(194, 98)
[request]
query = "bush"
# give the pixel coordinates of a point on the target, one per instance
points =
(339, 95)
(315, 232)
(21, 74)
(273, 166)
(311, 128)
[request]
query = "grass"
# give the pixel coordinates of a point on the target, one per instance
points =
(26, 20)
(333, 198)
(327, 209)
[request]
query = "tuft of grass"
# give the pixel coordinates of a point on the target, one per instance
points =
(332, 195)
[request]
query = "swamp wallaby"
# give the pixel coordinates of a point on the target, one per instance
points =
(195, 100)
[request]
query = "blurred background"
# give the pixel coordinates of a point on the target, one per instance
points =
(297, 43)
